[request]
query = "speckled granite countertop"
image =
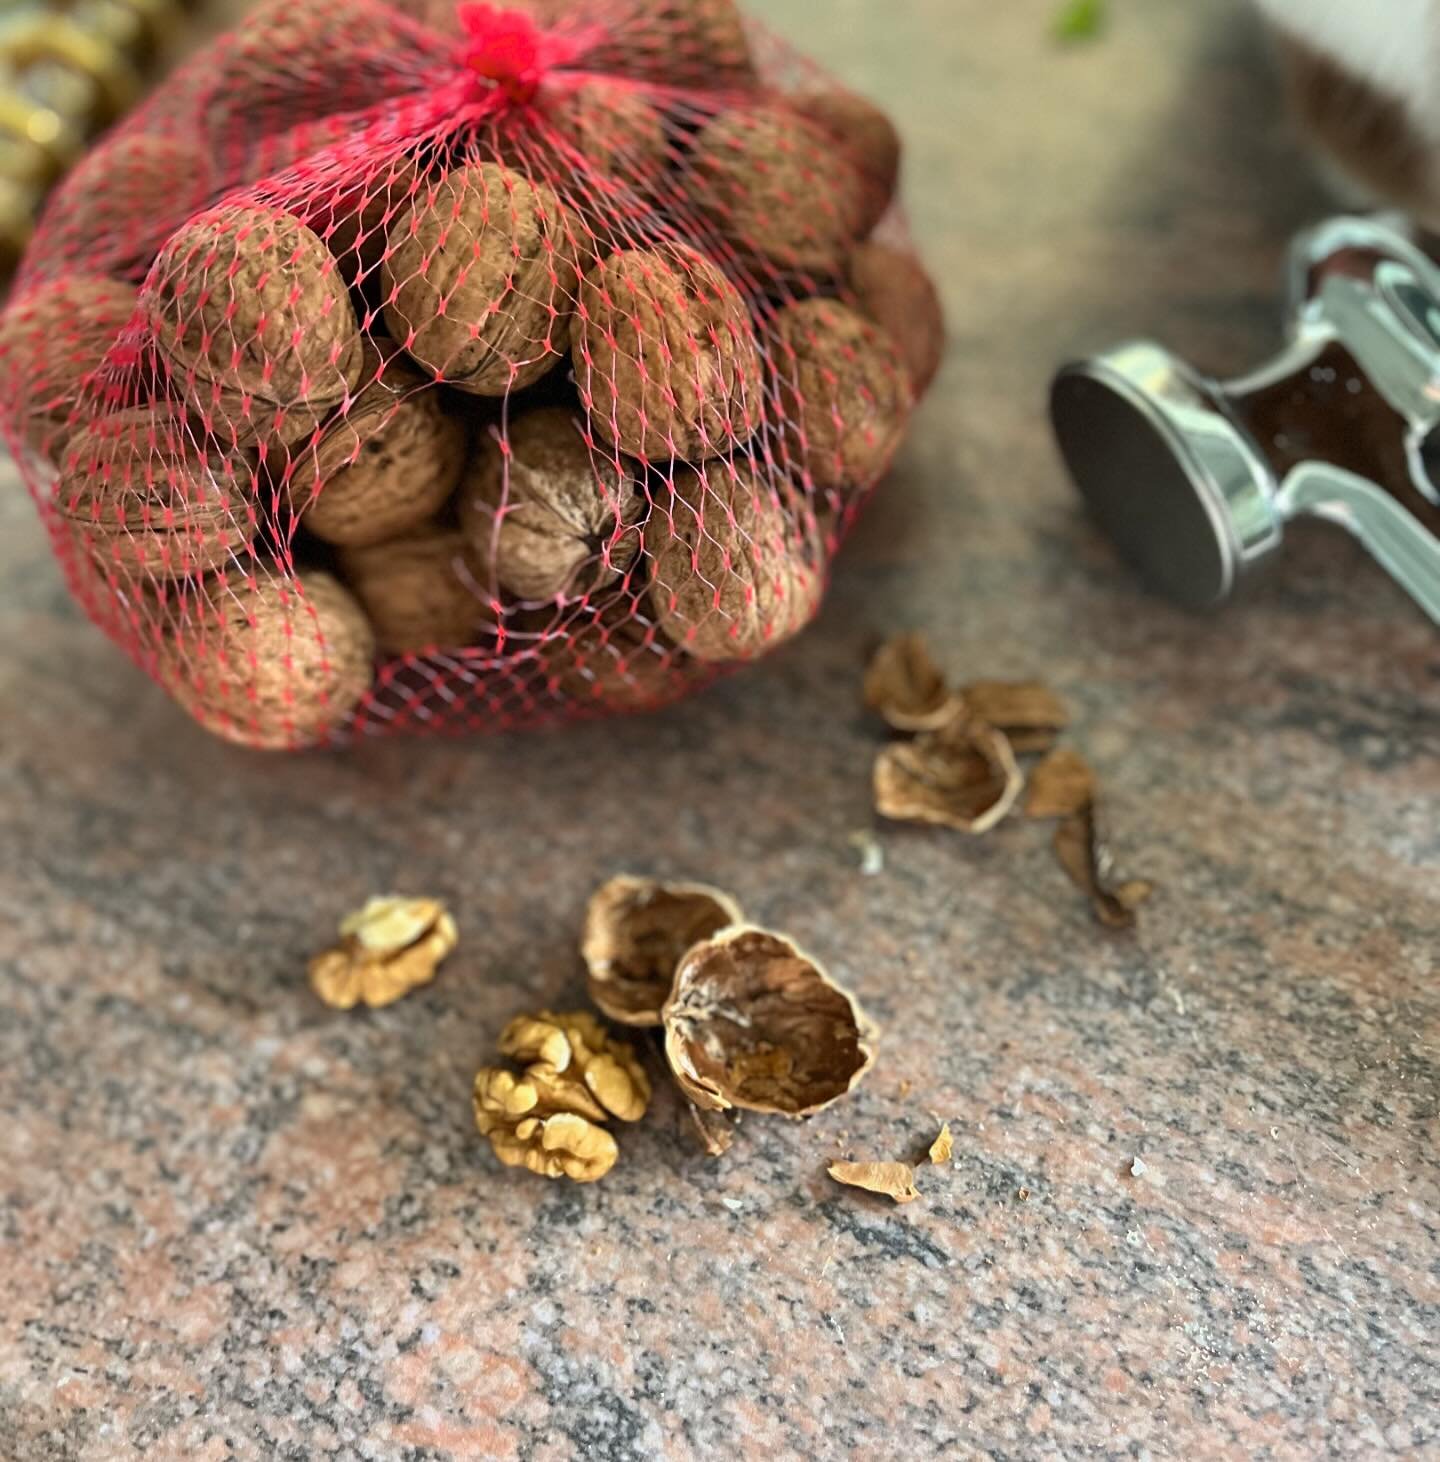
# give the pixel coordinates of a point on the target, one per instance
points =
(234, 1224)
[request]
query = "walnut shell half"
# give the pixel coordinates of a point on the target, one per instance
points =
(754, 1022)
(636, 931)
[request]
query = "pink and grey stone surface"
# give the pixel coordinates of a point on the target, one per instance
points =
(236, 1224)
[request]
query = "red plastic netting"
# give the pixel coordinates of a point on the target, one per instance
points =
(416, 365)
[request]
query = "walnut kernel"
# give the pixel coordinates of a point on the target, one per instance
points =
(577, 1067)
(386, 949)
(561, 1145)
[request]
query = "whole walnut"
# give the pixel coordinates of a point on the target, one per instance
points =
(255, 324)
(479, 279)
(844, 397)
(665, 355)
(680, 43)
(271, 662)
(892, 288)
(418, 592)
(384, 466)
(870, 139)
(732, 575)
(141, 495)
(122, 200)
(773, 185)
(52, 340)
(552, 516)
(588, 135)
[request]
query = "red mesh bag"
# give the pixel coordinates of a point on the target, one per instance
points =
(421, 365)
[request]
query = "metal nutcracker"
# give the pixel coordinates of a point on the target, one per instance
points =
(1195, 479)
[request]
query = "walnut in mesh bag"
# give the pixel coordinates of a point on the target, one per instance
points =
(418, 592)
(733, 575)
(665, 355)
(139, 491)
(552, 515)
(53, 339)
(271, 662)
(383, 466)
(254, 323)
(479, 279)
(777, 189)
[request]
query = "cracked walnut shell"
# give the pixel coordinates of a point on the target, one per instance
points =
(551, 515)
(386, 950)
(754, 1022)
(905, 686)
(479, 279)
(962, 776)
(255, 324)
(636, 931)
(665, 355)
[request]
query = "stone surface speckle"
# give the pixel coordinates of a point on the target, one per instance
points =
(234, 1224)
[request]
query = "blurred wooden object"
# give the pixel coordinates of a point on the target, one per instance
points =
(68, 69)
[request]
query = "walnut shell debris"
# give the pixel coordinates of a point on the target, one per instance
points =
(418, 591)
(382, 467)
(1062, 785)
(553, 517)
(730, 581)
(665, 355)
(577, 1067)
(272, 662)
(844, 396)
(943, 1146)
(773, 185)
(1030, 714)
(53, 339)
(869, 139)
(892, 288)
(386, 949)
(891, 1179)
(1084, 854)
(905, 686)
(754, 1022)
(138, 491)
(479, 279)
(254, 323)
(962, 776)
(636, 931)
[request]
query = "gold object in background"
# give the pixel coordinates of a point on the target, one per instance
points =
(68, 69)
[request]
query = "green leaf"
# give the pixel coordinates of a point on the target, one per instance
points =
(1079, 20)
